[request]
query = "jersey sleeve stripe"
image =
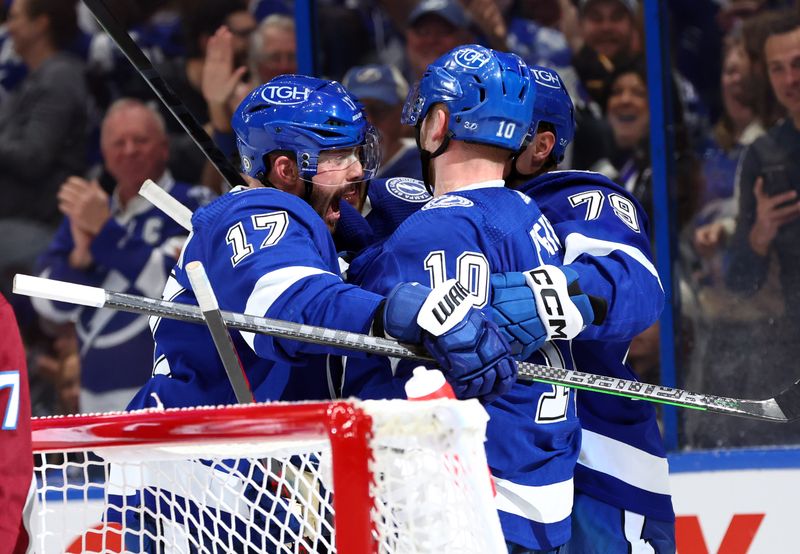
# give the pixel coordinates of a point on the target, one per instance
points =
(544, 504)
(624, 462)
(270, 287)
(577, 244)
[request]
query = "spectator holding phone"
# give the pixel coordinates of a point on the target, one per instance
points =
(769, 180)
(768, 231)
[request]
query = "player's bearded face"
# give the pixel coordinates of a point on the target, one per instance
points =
(338, 174)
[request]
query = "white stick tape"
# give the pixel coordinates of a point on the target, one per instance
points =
(162, 200)
(60, 291)
(201, 286)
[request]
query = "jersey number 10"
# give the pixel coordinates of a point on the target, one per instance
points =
(472, 271)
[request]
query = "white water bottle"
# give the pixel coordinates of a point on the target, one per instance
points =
(428, 384)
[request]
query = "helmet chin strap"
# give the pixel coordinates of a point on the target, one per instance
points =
(425, 156)
(515, 175)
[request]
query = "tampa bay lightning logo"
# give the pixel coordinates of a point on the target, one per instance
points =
(470, 58)
(448, 201)
(410, 190)
(546, 78)
(285, 95)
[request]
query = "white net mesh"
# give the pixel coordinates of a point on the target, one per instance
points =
(427, 487)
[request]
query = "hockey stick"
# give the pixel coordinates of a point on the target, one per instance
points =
(167, 203)
(119, 35)
(214, 320)
(212, 315)
(782, 408)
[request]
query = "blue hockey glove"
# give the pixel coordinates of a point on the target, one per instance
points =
(468, 346)
(542, 304)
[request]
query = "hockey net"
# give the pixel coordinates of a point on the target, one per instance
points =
(349, 477)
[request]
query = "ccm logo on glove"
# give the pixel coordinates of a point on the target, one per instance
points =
(558, 312)
(445, 306)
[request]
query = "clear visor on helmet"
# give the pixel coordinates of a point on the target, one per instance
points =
(413, 106)
(343, 165)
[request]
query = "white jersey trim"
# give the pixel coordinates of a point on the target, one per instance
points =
(494, 183)
(625, 462)
(577, 244)
(543, 504)
(269, 288)
(634, 527)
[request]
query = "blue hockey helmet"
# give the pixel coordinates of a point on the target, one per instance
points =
(306, 116)
(488, 94)
(554, 106)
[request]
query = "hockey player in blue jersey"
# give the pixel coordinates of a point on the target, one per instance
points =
(622, 501)
(268, 251)
(472, 111)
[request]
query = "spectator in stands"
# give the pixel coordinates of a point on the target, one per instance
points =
(738, 127)
(542, 33)
(273, 49)
(433, 28)
(121, 243)
(382, 90)
(42, 130)
(770, 179)
(768, 228)
(755, 30)
(608, 38)
(201, 19)
(628, 113)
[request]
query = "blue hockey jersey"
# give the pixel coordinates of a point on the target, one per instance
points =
(605, 236)
(405, 163)
(133, 253)
(533, 433)
(266, 253)
(389, 202)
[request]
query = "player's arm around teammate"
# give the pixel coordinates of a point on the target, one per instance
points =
(268, 251)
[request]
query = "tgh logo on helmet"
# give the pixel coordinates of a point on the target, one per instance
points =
(469, 58)
(546, 78)
(285, 95)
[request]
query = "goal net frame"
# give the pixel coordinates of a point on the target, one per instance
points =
(354, 430)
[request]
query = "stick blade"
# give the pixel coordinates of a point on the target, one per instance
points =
(789, 402)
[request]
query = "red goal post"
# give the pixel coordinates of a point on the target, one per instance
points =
(349, 476)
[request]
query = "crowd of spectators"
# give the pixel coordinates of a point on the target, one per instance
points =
(80, 130)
